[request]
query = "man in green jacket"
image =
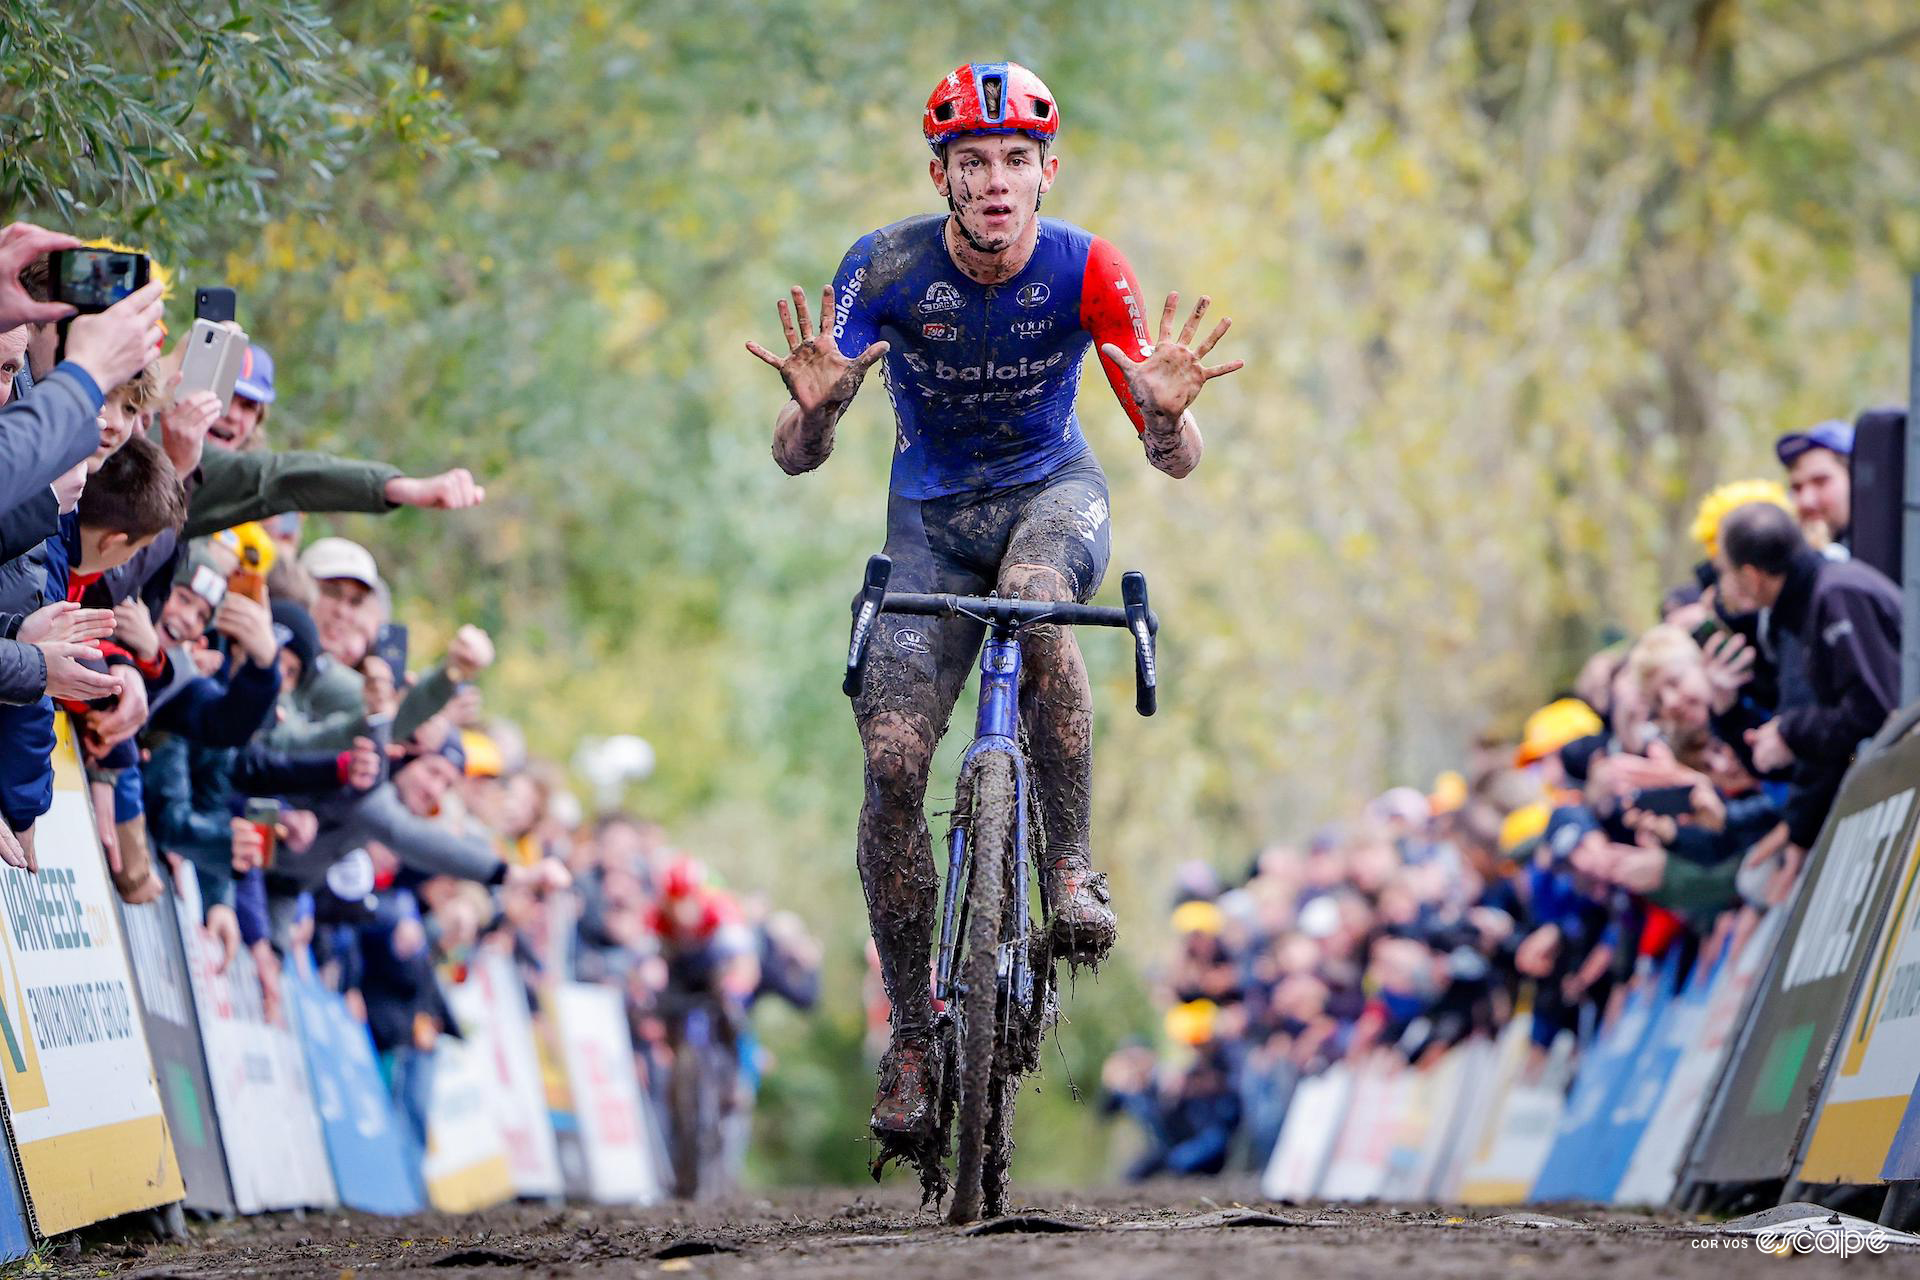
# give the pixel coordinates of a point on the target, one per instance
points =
(331, 705)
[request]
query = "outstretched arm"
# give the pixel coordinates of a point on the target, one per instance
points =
(1165, 383)
(821, 382)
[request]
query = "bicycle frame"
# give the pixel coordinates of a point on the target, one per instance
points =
(997, 729)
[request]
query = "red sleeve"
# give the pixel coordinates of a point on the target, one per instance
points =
(1111, 309)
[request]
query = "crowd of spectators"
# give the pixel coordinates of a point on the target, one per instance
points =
(1672, 793)
(256, 735)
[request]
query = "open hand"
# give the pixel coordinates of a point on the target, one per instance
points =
(1769, 747)
(1168, 381)
(183, 427)
(818, 377)
(69, 678)
(1729, 668)
(65, 622)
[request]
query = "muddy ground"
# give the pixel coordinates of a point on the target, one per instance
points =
(1163, 1231)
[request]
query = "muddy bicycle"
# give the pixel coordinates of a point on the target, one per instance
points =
(994, 984)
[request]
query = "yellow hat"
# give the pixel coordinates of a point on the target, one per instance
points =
(1719, 502)
(1449, 794)
(1197, 917)
(1553, 727)
(484, 759)
(251, 544)
(1191, 1023)
(1529, 822)
(155, 269)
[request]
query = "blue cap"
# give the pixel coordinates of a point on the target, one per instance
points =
(1832, 434)
(256, 376)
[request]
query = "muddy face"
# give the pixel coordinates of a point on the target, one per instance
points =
(993, 184)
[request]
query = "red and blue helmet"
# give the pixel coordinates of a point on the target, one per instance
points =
(990, 97)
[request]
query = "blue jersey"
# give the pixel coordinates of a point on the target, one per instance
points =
(983, 377)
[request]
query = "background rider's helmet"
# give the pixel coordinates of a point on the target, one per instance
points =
(683, 878)
(990, 97)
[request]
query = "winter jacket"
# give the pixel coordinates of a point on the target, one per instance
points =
(215, 712)
(44, 435)
(26, 730)
(192, 794)
(1836, 627)
(328, 710)
(230, 488)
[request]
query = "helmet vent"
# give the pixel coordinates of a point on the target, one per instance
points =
(1042, 108)
(943, 112)
(991, 90)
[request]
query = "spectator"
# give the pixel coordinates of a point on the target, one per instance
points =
(1819, 465)
(1836, 626)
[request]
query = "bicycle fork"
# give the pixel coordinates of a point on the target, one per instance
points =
(997, 729)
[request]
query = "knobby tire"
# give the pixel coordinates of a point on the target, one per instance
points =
(990, 830)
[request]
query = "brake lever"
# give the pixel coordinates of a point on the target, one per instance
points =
(866, 609)
(1143, 625)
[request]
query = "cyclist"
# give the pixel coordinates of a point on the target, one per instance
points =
(983, 315)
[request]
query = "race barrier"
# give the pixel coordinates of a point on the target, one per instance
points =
(616, 1129)
(84, 1119)
(1784, 1060)
(371, 1159)
(143, 1067)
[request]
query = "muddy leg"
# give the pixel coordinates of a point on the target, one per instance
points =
(896, 861)
(1056, 708)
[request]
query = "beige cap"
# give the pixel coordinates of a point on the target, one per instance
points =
(339, 558)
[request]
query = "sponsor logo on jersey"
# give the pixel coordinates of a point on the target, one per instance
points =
(940, 332)
(912, 641)
(1031, 328)
(843, 303)
(991, 372)
(1091, 519)
(1133, 314)
(1034, 295)
(941, 296)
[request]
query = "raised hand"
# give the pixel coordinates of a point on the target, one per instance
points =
(818, 377)
(115, 344)
(64, 622)
(1729, 668)
(21, 243)
(1168, 381)
(453, 490)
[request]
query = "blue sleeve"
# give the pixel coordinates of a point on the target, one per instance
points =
(250, 905)
(855, 324)
(222, 716)
(88, 387)
(258, 771)
(45, 434)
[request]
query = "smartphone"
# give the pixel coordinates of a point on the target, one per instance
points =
(265, 815)
(1707, 631)
(1668, 802)
(209, 585)
(215, 303)
(248, 583)
(94, 279)
(215, 355)
(390, 646)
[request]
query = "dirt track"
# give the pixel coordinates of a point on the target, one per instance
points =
(1171, 1231)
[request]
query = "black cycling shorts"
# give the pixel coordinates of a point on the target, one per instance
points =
(960, 544)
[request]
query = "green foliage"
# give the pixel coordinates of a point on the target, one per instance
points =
(1515, 280)
(179, 121)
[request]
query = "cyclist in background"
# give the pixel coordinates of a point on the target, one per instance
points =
(983, 315)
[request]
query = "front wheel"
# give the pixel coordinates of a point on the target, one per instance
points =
(990, 832)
